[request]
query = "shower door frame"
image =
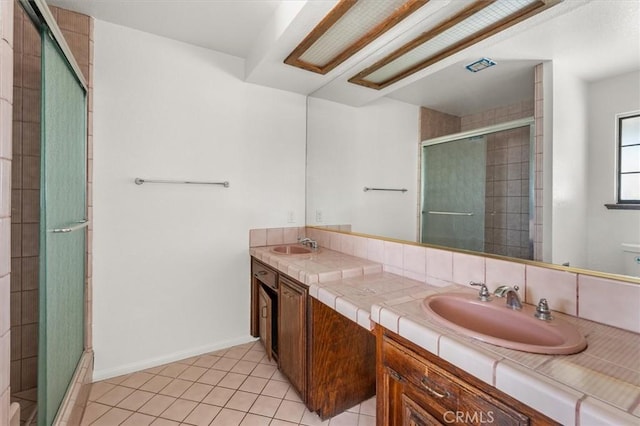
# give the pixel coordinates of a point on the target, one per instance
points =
(481, 131)
(44, 21)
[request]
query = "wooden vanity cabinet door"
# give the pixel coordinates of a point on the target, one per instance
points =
(413, 390)
(264, 319)
(414, 415)
(292, 335)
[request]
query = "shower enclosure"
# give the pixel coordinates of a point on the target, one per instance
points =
(49, 187)
(477, 190)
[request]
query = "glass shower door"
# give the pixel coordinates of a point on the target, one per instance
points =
(453, 194)
(62, 232)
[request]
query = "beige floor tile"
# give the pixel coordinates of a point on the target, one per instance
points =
(136, 400)
(176, 388)
(136, 380)
(368, 407)
(157, 405)
(277, 375)
(192, 373)
(265, 406)
(114, 416)
(164, 422)
(173, 370)
(156, 384)
(366, 420)
(255, 420)
(227, 417)
(232, 380)
(312, 419)
(253, 384)
(244, 367)
(92, 412)
(236, 352)
(197, 392)
(241, 401)
(115, 395)
(225, 364)
(139, 419)
(179, 410)
(290, 411)
(206, 361)
(98, 389)
(292, 395)
(117, 380)
(264, 370)
(218, 396)
(345, 419)
(202, 415)
(276, 389)
(254, 356)
(278, 422)
(212, 377)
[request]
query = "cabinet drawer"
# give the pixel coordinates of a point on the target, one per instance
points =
(426, 378)
(264, 274)
(445, 395)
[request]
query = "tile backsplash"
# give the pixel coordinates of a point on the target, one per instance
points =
(608, 301)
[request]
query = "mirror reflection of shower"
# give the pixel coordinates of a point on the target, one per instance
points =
(477, 190)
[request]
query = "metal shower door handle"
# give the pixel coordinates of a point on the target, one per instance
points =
(79, 225)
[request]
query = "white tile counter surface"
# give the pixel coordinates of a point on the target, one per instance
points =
(598, 386)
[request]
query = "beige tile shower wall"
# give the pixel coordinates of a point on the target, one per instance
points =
(25, 203)
(6, 130)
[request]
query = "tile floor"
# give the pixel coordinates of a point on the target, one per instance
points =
(235, 386)
(27, 400)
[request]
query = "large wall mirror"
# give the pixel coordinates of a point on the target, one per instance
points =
(565, 80)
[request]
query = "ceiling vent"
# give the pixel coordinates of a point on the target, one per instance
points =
(480, 65)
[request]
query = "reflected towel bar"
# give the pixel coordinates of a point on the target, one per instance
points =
(140, 181)
(366, 188)
(452, 213)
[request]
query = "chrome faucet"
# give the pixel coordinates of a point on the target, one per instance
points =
(309, 242)
(511, 293)
(483, 294)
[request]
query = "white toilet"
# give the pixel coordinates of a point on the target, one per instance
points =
(631, 258)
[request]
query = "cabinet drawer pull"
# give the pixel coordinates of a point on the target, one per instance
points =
(426, 383)
(259, 273)
(264, 312)
(395, 375)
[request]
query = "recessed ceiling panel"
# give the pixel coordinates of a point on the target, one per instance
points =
(350, 26)
(480, 20)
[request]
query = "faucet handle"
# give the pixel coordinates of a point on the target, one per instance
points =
(542, 310)
(483, 295)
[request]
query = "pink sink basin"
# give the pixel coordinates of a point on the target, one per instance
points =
(291, 249)
(493, 322)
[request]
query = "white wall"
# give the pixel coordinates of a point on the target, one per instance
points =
(374, 146)
(171, 264)
(570, 170)
(608, 229)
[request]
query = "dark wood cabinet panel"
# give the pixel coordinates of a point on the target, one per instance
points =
(416, 387)
(265, 320)
(292, 343)
(341, 362)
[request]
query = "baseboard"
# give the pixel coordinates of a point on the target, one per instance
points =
(165, 359)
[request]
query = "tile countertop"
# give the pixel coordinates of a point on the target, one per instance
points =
(600, 385)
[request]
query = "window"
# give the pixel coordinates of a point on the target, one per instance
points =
(629, 159)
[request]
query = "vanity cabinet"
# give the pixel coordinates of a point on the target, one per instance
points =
(264, 306)
(292, 332)
(416, 387)
(329, 359)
